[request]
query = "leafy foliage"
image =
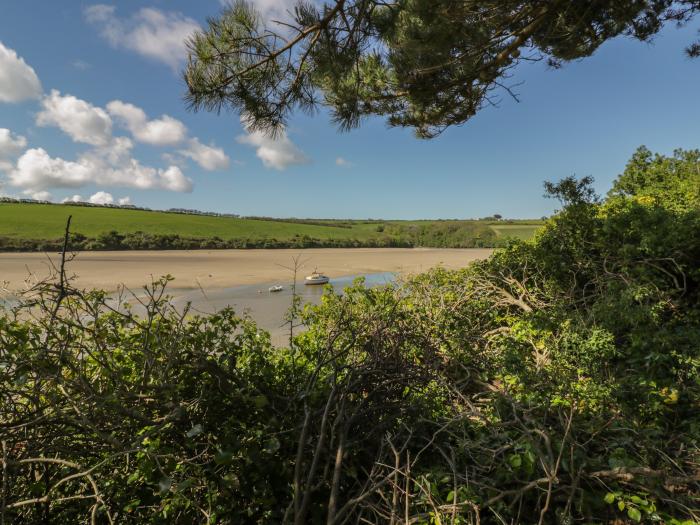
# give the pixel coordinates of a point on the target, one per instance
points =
(423, 64)
(674, 181)
(556, 382)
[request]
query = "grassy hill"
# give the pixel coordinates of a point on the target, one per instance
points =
(40, 226)
(47, 221)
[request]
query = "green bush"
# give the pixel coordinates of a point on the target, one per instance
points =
(556, 382)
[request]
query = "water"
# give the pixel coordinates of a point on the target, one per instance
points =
(267, 308)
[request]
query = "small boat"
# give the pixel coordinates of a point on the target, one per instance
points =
(316, 278)
(275, 288)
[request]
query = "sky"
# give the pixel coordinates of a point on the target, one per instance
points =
(91, 109)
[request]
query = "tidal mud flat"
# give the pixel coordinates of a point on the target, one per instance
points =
(216, 269)
(211, 280)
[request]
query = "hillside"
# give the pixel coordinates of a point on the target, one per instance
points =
(40, 226)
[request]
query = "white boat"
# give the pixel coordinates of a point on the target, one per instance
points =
(316, 278)
(275, 288)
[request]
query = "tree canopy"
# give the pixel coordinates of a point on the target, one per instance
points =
(425, 64)
(674, 180)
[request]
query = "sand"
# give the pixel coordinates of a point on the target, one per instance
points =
(212, 269)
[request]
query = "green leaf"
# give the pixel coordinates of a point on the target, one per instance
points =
(260, 401)
(133, 477)
(515, 460)
(530, 456)
(129, 507)
(621, 505)
(194, 431)
(223, 458)
(609, 498)
(164, 485)
(185, 484)
(634, 514)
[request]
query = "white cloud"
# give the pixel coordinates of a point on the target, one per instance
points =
(10, 145)
(342, 162)
(116, 153)
(208, 157)
(163, 131)
(37, 171)
(101, 197)
(150, 32)
(18, 81)
(39, 195)
(167, 131)
(74, 198)
(82, 121)
(109, 162)
(275, 152)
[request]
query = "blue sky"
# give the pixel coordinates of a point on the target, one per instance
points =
(103, 118)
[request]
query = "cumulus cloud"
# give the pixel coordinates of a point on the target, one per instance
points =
(82, 121)
(208, 157)
(36, 170)
(39, 195)
(162, 131)
(74, 198)
(109, 161)
(18, 81)
(11, 146)
(101, 197)
(275, 152)
(153, 33)
(167, 131)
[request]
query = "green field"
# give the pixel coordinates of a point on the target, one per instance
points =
(518, 230)
(47, 221)
(19, 221)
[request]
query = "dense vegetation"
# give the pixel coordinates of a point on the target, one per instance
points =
(38, 227)
(557, 382)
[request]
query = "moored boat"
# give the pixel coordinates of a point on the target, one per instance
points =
(275, 288)
(316, 278)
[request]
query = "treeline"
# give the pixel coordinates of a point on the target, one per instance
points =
(435, 235)
(335, 223)
(84, 204)
(148, 241)
(445, 234)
